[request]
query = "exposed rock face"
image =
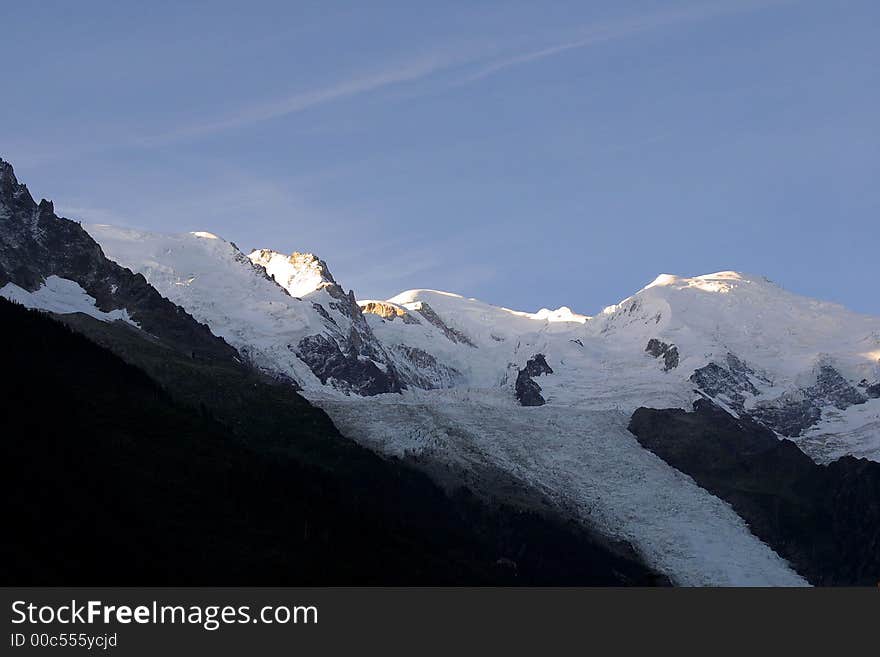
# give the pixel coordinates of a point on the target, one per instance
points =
(347, 354)
(731, 383)
(528, 392)
(36, 244)
(873, 391)
(453, 334)
(824, 519)
(793, 413)
(669, 352)
(388, 311)
(347, 370)
(537, 365)
(356, 361)
(789, 414)
(362, 350)
(832, 389)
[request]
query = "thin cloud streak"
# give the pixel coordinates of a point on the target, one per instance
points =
(413, 71)
(623, 29)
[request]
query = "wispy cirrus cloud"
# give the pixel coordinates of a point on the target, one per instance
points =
(621, 29)
(412, 70)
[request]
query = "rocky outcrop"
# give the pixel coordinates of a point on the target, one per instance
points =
(364, 353)
(669, 352)
(347, 354)
(537, 365)
(789, 414)
(732, 383)
(794, 412)
(346, 370)
(831, 388)
(527, 391)
(35, 243)
(388, 311)
(453, 334)
(824, 519)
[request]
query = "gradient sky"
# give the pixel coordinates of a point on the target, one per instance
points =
(529, 154)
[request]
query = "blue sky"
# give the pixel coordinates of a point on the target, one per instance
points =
(529, 154)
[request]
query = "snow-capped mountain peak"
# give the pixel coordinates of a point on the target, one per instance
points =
(299, 273)
(793, 363)
(721, 281)
(205, 235)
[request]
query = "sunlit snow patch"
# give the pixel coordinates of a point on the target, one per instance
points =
(62, 296)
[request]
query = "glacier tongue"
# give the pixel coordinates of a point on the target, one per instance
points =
(582, 459)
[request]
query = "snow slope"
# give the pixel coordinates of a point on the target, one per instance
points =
(781, 340)
(219, 286)
(710, 316)
(292, 337)
(59, 295)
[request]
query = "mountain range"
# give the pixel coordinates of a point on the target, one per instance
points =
(708, 430)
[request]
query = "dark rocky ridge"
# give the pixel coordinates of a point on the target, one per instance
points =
(453, 334)
(351, 359)
(527, 391)
(825, 519)
(35, 243)
(731, 382)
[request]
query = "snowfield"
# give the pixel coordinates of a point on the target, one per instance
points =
(601, 363)
(59, 295)
(854, 431)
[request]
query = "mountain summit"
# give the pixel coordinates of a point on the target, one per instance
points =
(298, 273)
